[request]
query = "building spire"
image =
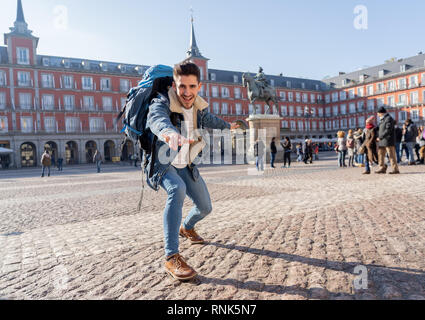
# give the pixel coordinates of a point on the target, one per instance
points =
(193, 50)
(20, 13)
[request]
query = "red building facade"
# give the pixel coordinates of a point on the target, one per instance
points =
(70, 104)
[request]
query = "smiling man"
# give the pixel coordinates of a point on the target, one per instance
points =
(174, 120)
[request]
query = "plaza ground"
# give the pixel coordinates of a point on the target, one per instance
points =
(298, 233)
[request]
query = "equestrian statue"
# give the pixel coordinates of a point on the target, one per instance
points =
(259, 89)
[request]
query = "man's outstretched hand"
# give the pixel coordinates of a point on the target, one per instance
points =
(234, 126)
(174, 140)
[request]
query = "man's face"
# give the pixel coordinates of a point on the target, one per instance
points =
(187, 88)
(381, 115)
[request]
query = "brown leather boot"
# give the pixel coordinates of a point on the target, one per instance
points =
(191, 235)
(177, 267)
(394, 172)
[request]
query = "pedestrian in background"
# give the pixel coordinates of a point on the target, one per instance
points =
(97, 158)
(46, 162)
(386, 142)
(410, 133)
(341, 148)
(350, 148)
(398, 136)
(369, 147)
(60, 163)
(259, 149)
(273, 152)
(358, 141)
(421, 135)
(299, 153)
(287, 149)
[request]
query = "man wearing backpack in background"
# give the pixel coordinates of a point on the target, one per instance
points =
(46, 162)
(173, 119)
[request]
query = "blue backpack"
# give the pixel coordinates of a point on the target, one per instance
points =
(136, 107)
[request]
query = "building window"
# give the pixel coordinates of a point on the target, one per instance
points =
(26, 124)
(67, 81)
(313, 98)
(414, 115)
(391, 85)
(369, 90)
(380, 102)
(402, 99)
(3, 81)
(69, 102)
(212, 76)
(47, 80)
(290, 96)
(352, 107)
(107, 103)
(334, 96)
(360, 106)
(320, 112)
(215, 92)
(391, 101)
(402, 83)
(283, 110)
(414, 97)
(360, 91)
(297, 97)
(238, 108)
(351, 94)
(335, 110)
(314, 125)
(237, 93)
(402, 116)
(47, 102)
(96, 125)
(225, 92)
(250, 109)
(49, 124)
(343, 95)
(25, 100)
(343, 109)
(24, 79)
(2, 100)
(224, 108)
(124, 85)
(23, 55)
(105, 84)
(299, 111)
(282, 95)
(370, 104)
(72, 124)
(285, 124)
(291, 111)
(305, 97)
(300, 126)
(328, 111)
(87, 83)
(327, 98)
(235, 79)
(313, 112)
(88, 103)
(288, 84)
(413, 81)
(293, 125)
(352, 122)
(4, 126)
(272, 82)
(216, 108)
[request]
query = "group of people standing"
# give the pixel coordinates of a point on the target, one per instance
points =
(376, 142)
(47, 161)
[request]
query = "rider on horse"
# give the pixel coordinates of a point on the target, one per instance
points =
(261, 81)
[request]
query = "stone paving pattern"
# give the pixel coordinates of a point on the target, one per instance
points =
(292, 233)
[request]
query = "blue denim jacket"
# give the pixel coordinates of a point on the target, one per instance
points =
(159, 123)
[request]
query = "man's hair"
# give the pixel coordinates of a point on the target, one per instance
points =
(186, 68)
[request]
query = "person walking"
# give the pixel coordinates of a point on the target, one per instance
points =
(369, 147)
(341, 148)
(386, 142)
(46, 162)
(97, 158)
(174, 116)
(259, 149)
(60, 164)
(398, 136)
(410, 133)
(287, 149)
(350, 148)
(273, 151)
(299, 152)
(358, 141)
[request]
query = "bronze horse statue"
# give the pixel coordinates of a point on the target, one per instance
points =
(267, 96)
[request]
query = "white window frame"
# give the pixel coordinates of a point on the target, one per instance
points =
(214, 91)
(27, 124)
(3, 79)
(67, 106)
(238, 93)
(104, 81)
(107, 104)
(86, 105)
(48, 102)
(72, 124)
(22, 59)
(96, 124)
(47, 80)
(224, 108)
(4, 124)
(2, 100)
(87, 83)
(25, 102)
(50, 124)
(67, 81)
(24, 75)
(124, 85)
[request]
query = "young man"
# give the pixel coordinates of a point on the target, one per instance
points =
(386, 142)
(273, 151)
(173, 120)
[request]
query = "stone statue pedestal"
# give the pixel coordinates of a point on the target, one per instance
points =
(265, 127)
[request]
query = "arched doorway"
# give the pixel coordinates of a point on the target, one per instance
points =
(53, 150)
(109, 150)
(28, 155)
(71, 152)
(91, 148)
(127, 150)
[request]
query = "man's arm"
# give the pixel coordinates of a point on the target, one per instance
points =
(211, 121)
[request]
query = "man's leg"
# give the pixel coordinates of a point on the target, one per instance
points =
(198, 193)
(42, 171)
(397, 152)
(393, 158)
(48, 171)
(381, 160)
(175, 187)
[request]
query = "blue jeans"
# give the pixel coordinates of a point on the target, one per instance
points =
(98, 163)
(341, 158)
(410, 146)
(360, 158)
(178, 183)
(259, 163)
(403, 146)
(367, 165)
(273, 157)
(42, 170)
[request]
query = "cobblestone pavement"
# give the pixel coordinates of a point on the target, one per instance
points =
(298, 233)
